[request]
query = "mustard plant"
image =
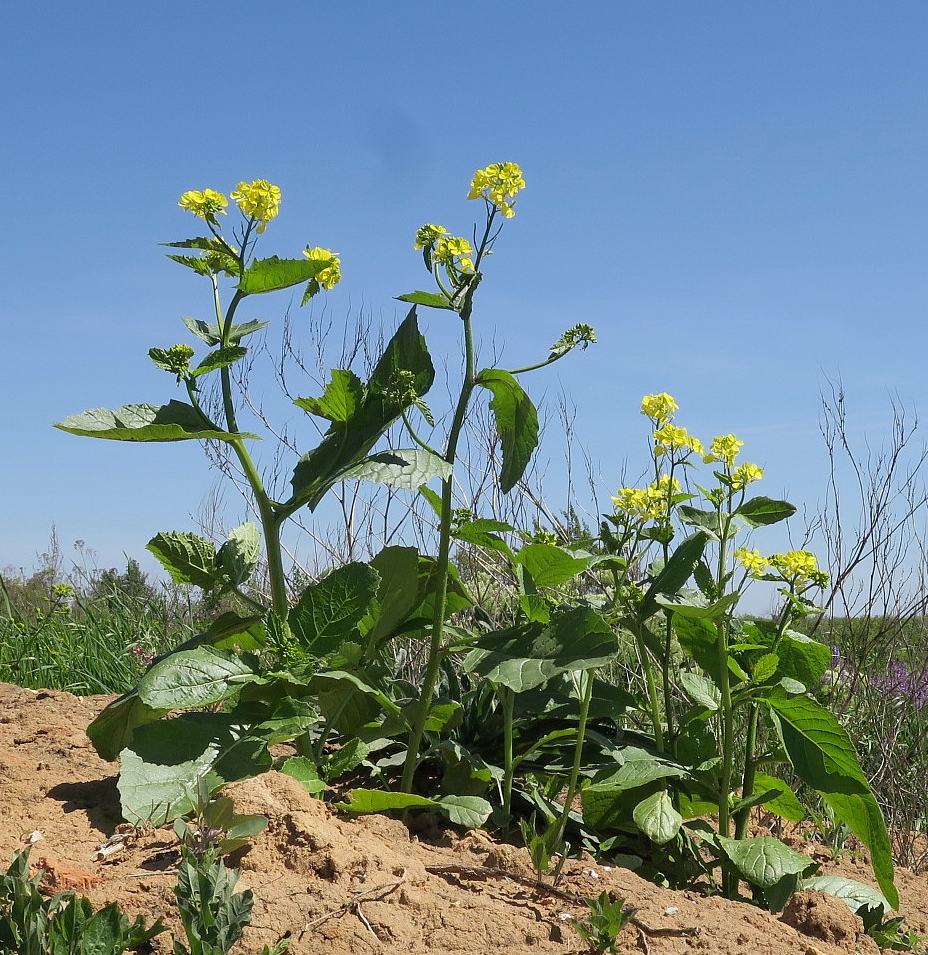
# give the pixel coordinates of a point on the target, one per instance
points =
(727, 696)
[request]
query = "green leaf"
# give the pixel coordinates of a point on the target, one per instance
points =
(656, 817)
(188, 558)
(763, 510)
(765, 668)
(785, 804)
(343, 760)
(406, 468)
(468, 811)
(343, 396)
(220, 358)
(348, 443)
(823, 756)
(708, 521)
(699, 639)
(175, 421)
(471, 812)
(162, 765)
(304, 771)
(516, 423)
(111, 731)
(674, 574)
(432, 299)
(328, 610)
(701, 690)
(686, 603)
(208, 332)
(764, 862)
(484, 532)
(398, 592)
(803, 658)
(191, 678)
(856, 895)
(528, 655)
(238, 332)
(377, 800)
(270, 275)
(239, 555)
(550, 565)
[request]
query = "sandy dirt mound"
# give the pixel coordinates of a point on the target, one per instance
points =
(366, 885)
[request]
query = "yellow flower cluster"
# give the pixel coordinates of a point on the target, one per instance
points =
(745, 474)
(498, 184)
(205, 203)
(795, 566)
(331, 275)
(455, 252)
(669, 437)
(724, 448)
(428, 234)
(659, 407)
(258, 200)
(641, 504)
(752, 560)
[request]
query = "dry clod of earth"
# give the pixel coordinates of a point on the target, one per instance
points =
(366, 885)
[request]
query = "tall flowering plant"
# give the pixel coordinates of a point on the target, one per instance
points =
(313, 669)
(727, 697)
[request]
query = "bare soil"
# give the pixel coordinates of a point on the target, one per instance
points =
(371, 884)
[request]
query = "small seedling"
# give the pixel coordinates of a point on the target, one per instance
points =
(606, 920)
(214, 829)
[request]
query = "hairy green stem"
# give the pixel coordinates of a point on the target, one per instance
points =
(585, 691)
(435, 651)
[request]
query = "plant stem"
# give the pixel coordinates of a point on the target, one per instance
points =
(508, 699)
(585, 692)
(435, 652)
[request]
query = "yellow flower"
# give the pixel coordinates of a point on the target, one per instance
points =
(659, 407)
(498, 184)
(205, 203)
(455, 252)
(258, 200)
(745, 474)
(650, 503)
(671, 438)
(724, 448)
(752, 560)
(795, 564)
(428, 233)
(331, 275)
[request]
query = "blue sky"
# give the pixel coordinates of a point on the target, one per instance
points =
(732, 194)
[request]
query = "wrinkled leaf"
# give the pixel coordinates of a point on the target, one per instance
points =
(188, 558)
(238, 557)
(329, 609)
(175, 421)
(406, 468)
(191, 678)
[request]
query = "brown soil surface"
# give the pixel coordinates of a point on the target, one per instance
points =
(436, 890)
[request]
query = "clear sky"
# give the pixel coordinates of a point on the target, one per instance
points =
(733, 194)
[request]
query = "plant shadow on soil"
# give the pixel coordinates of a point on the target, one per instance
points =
(370, 884)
